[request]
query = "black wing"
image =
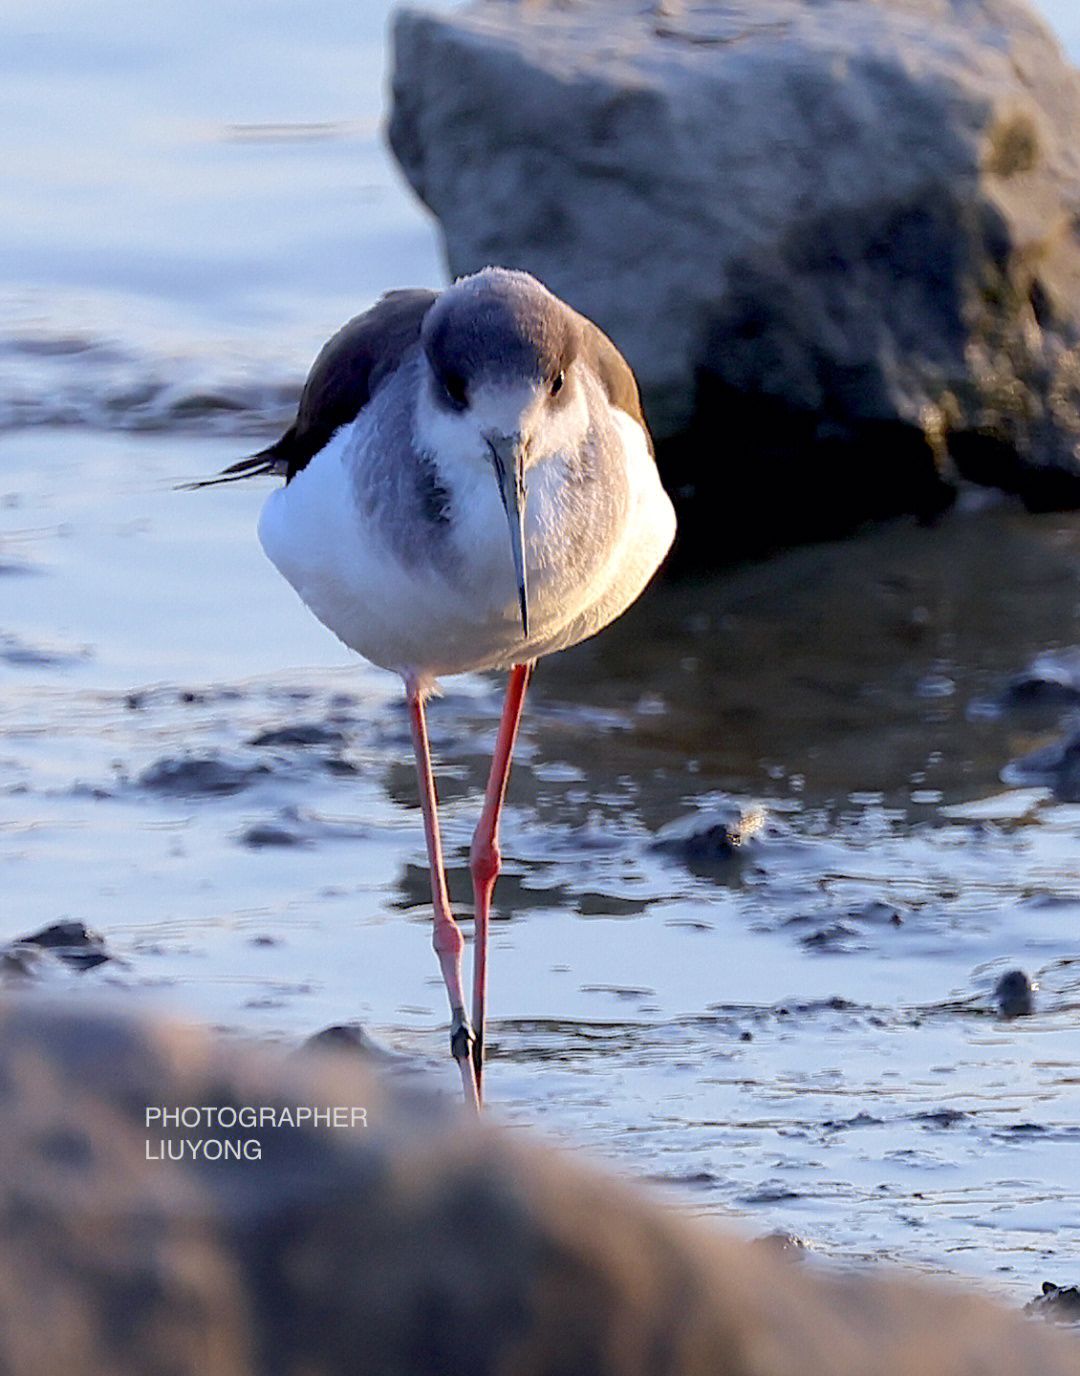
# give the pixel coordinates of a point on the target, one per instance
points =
(346, 373)
(614, 372)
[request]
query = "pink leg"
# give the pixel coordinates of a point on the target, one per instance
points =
(485, 860)
(446, 938)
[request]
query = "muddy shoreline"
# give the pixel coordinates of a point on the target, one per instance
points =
(803, 1032)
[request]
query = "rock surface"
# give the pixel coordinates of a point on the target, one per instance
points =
(409, 1242)
(831, 225)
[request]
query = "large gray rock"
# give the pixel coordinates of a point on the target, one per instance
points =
(147, 1229)
(846, 223)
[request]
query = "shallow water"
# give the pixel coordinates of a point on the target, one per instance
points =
(194, 198)
(805, 1033)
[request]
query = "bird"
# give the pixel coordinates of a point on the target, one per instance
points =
(470, 484)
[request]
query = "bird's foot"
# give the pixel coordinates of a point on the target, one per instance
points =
(462, 1042)
(461, 1036)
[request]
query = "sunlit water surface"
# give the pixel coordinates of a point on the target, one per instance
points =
(804, 1035)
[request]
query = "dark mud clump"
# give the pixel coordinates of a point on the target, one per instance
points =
(709, 840)
(1055, 766)
(291, 827)
(300, 734)
(1050, 682)
(353, 1038)
(845, 934)
(70, 942)
(23, 655)
(262, 835)
(194, 776)
(1058, 1302)
(1014, 993)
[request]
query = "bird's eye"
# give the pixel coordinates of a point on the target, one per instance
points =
(556, 384)
(456, 392)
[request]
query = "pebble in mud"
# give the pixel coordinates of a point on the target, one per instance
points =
(1014, 993)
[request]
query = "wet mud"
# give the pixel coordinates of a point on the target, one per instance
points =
(773, 927)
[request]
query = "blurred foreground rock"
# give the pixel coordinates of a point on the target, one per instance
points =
(421, 1243)
(838, 240)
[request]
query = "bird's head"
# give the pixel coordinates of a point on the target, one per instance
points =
(503, 390)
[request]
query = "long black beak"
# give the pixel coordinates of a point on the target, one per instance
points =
(508, 460)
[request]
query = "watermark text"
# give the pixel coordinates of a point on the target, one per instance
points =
(210, 1118)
